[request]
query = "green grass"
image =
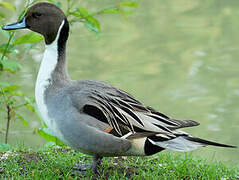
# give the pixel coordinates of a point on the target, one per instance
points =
(57, 163)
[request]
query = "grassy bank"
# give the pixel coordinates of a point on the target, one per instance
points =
(57, 163)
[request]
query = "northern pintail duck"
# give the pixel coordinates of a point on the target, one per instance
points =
(91, 116)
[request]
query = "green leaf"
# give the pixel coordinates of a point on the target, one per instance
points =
(2, 16)
(4, 147)
(122, 11)
(8, 5)
(89, 21)
(50, 144)
(80, 12)
(30, 100)
(30, 107)
(42, 122)
(115, 11)
(75, 13)
(24, 122)
(18, 93)
(110, 11)
(129, 4)
(47, 134)
(92, 24)
(11, 66)
(10, 88)
(83, 12)
(28, 38)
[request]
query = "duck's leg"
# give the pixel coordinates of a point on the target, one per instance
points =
(83, 167)
(96, 162)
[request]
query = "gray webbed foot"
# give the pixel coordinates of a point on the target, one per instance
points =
(97, 160)
(81, 168)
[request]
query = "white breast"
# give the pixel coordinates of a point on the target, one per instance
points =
(47, 66)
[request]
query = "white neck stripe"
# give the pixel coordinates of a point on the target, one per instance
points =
(48, 65)
(54, 43)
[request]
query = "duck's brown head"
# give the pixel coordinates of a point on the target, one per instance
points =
(44, 18)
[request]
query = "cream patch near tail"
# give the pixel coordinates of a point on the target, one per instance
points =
(137, 147)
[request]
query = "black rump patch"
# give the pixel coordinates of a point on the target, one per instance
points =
(150, 148)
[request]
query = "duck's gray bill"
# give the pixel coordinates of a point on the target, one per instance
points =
(18, 25)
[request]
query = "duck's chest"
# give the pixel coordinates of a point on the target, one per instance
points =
(46, 112)
(40, 96)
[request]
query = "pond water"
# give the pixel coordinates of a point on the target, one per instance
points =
(180, 57)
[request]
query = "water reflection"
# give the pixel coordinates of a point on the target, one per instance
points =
(177, 56)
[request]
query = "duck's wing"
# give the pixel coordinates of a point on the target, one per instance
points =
(125, 115)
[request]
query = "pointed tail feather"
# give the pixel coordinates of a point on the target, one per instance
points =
(206, 142)
(185, 143)
(177, 144)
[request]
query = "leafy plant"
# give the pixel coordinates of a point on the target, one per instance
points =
(12, 100)
(80, 14)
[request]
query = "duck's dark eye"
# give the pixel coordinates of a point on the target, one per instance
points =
(36, 15)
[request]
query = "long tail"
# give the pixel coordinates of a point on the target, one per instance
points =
(185, 143)
(206, 142)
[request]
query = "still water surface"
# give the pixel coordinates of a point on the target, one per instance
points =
(180, 57)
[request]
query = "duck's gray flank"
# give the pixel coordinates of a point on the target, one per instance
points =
(92, 116)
